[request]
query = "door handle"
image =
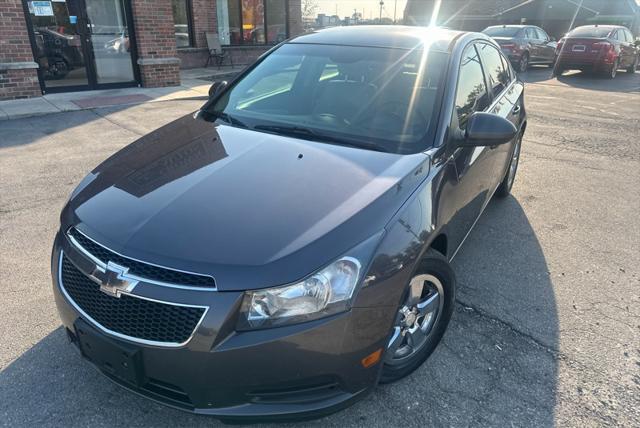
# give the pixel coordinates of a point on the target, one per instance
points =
(516, 109)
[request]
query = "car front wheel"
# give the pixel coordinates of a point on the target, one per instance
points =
(422, 318)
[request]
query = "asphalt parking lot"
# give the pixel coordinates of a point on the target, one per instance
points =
(547, 326)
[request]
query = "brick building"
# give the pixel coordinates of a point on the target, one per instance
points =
(69, 45)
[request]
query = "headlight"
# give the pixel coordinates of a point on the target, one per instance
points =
(325, 292)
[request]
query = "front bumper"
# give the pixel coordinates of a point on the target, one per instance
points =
(293, 372)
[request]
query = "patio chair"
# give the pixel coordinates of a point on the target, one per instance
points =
(216, 51)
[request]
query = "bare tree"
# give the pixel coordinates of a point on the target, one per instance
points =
(309, 8)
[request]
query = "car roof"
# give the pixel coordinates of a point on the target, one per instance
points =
(384, 36)
(511, 26)
(606, 27)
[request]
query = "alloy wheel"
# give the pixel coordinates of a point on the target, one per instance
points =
(416, 319)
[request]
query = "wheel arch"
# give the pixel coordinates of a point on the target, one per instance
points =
(440, 244)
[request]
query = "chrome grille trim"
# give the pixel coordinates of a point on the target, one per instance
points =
(139, 278)
(96, 324)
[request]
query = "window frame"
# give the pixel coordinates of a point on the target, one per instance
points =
(265, 24)
(190, 29)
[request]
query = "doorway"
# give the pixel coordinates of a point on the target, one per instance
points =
(82, 44)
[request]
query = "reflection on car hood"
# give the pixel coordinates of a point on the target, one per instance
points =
(249, 208)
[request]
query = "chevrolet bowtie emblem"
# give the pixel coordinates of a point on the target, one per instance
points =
(113, 279)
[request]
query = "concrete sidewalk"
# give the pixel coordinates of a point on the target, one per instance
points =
(195, 83)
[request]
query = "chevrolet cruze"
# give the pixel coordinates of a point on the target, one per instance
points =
(282, 250)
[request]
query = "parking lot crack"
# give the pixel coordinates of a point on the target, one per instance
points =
(484, 314)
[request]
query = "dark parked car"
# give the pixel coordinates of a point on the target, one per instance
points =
(602, 49)
(524, 45)
(287, 247)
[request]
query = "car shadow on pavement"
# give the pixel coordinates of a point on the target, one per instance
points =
(496, 366)
(105, 127)
(623, 82)
(537, 74)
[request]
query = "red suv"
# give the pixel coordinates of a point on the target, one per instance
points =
(601, 48)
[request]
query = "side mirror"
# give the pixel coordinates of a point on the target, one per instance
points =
(216, 88)
(486, 129)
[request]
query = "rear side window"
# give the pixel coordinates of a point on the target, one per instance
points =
(591, 32)
(471, 94)
(499, 77)
(541, 34)
(502, 31)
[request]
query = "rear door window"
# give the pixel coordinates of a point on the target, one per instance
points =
(471, 94)
(541, 34)
(531, 33)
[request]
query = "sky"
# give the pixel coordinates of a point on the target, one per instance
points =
(371, 7)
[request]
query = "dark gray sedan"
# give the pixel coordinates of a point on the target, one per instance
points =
(284, 249)
(524, 45)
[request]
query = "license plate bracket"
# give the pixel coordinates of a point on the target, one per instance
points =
(120, 360)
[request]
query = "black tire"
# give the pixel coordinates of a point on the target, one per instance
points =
(504, 189)
(634, 65)
(436, 265)
(523, 65)
(611, 72)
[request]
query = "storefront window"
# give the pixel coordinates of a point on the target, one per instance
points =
(243, 22)
(276, 21)
(182, 22)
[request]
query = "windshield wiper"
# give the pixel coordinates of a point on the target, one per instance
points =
(299, 131)
(230, 119)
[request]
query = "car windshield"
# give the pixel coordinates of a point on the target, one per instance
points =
(591, 32)
(502, 31)
(376, 98)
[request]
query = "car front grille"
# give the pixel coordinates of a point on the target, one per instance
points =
(140, 269)
(133, 317)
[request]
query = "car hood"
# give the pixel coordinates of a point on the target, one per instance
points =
(251, 209)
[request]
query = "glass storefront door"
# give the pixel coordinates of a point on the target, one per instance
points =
(82, 44)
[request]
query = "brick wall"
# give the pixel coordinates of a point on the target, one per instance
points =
(295, 17)
(156, 43)
(18, 75)
(205, 18)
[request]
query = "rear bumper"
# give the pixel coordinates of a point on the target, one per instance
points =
(583, 62)
(294, 372)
